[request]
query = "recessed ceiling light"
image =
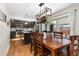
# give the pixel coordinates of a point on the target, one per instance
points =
(26, 23)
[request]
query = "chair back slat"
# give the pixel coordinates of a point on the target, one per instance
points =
(58, 35)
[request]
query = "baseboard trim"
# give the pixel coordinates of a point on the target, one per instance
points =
(7, 50)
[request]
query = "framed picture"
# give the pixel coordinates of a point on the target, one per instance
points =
(1, 16)
(5, 18)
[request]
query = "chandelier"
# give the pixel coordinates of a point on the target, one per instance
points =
(44, 13)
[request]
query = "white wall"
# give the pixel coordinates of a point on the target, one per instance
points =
(77, 23)
(4, 33)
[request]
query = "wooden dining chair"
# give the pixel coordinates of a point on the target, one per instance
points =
(49, 37)
(33, 37)
(66, 32)
(38, 44)
(74, 46)
(58, 35)
(39, 48)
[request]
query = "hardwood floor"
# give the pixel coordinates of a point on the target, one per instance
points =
(17, 48)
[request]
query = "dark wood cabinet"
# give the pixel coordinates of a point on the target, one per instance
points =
(27, 38)
(12, 34)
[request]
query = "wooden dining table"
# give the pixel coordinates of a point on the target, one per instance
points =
(53, 46)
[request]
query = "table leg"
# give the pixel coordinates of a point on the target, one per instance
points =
(54, 53)
(68, 50)
(31, 47)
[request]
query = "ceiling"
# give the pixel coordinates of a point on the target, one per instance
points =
(31, 9)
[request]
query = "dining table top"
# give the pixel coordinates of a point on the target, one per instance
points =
(53, 45)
